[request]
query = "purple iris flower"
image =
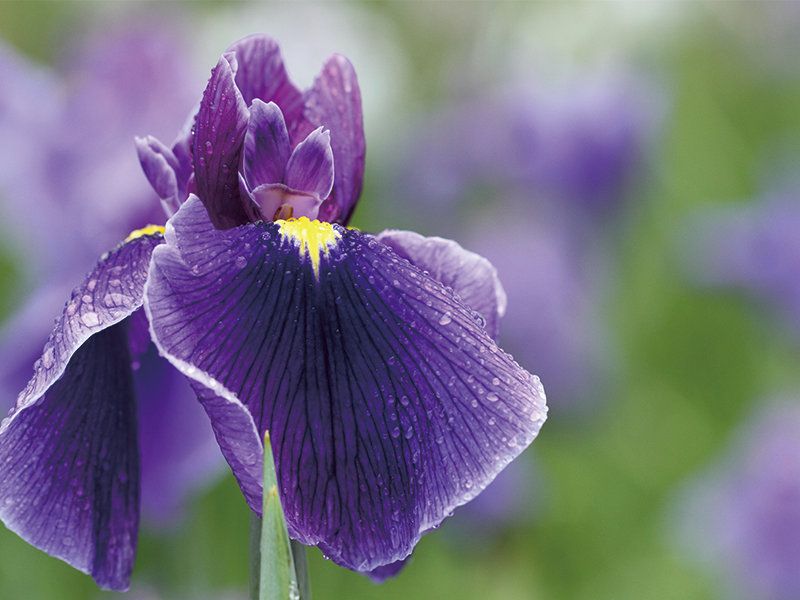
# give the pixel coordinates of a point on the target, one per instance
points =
(754, 247)
(370, 359)
(72, 158)
(743, 517)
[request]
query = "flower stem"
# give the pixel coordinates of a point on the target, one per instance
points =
(255, 555)
(301, 570)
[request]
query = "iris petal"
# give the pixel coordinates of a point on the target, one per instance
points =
(111, 292)
(469, 274)
(70, 482)
(388, 403)
(160, 166)
(261, 74)
(266, 145)
(70, 477)
(334, 101)
(219, 134)
(310, 167)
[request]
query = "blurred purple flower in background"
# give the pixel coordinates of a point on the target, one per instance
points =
(754, 247)
(577, 145)
(72, 164)
(742, 518)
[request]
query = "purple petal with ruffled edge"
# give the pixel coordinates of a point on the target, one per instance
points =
(388, 403)
(110, 293)
(334, 101)
(261, 74)
(310, 168)
(70, 482)
(219, 134)
(266, 145)
(470, 275)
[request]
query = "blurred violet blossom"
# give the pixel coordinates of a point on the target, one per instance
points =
(68, 153)
(742, 517)
(370, 359)
(754, 247)
(579, 145)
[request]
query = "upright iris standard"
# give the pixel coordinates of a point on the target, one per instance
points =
(369, 358)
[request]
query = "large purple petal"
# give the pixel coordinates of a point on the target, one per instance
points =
(334, 101)
(111, 292)
(219, 134)
(388, 403)
(310, 167)
(70, 482)
(266, 145)
(262, 75)
(470, 275)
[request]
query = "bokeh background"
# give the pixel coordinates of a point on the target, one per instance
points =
(632, 171)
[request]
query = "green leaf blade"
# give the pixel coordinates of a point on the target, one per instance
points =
(277, 580)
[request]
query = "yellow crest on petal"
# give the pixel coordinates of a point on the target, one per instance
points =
(148, 230)
(312, 238)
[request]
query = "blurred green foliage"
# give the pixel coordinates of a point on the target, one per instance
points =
(693, 365)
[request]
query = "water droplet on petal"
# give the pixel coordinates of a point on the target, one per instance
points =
(446, 319)
(241, 262)
(90, 319)
(47, 357)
